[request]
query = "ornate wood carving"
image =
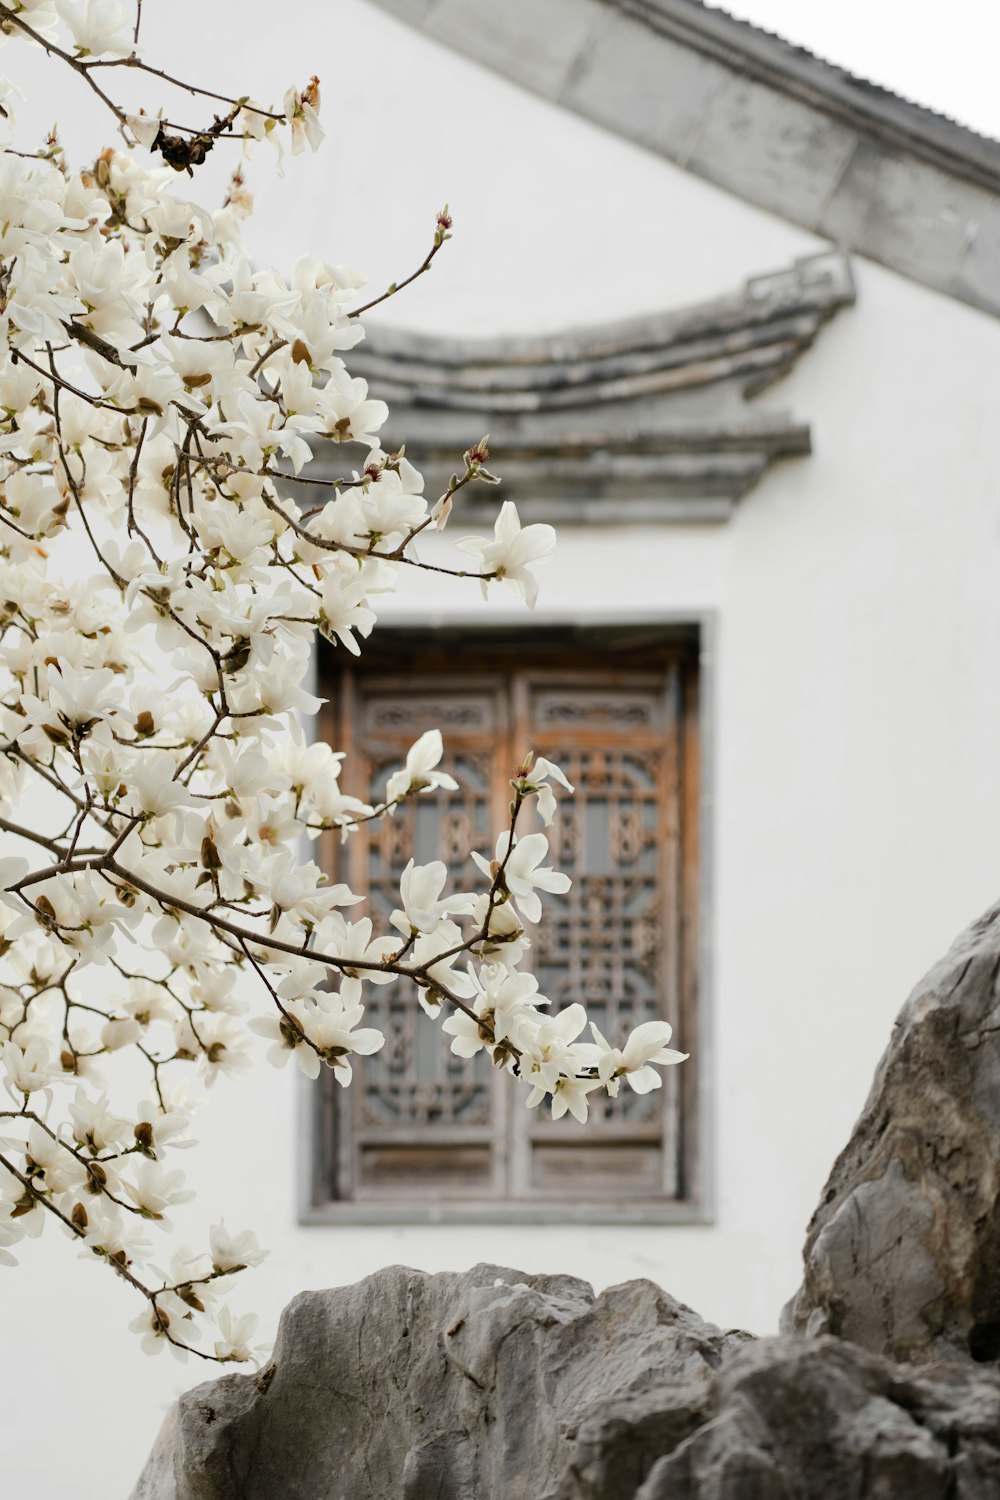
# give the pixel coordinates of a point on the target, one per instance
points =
(420, 1125)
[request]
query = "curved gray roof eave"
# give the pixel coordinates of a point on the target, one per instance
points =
(648, 419)
(769, 122)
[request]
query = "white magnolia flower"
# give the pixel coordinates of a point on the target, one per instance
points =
(291, 886)
(537, 780)
(420, 887)
(154, 1189)
(287, 1034)
(28, 1070)
(144, 127)
(120, 1031)
(504, 1005)
(470, 1035)
(335, 1035)
(95, 1125)
(345, 610)
(53, 1162)
(225, 1049)
(354, 943)
(236, 1335)
(156, 1328)
(419, 775)
(569, 1094)
(545, 1041)
(327, 1036)
(552, 1064)
(443, 941)
(231, 1252)
(512, 552)
(156, 1128)
(97, 26)
(154, 787)
(162, 584)
(302, 113)
(79, 700)
(112, 1231)
(506, 942)
(41, 16)
(645, 1050)
(521, 873)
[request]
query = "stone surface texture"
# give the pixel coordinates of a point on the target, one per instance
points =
(493, 1384)
(903, 1254)
(804, 1419)
(407, 1386)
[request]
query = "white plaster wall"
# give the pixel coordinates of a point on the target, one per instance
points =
(857, 714)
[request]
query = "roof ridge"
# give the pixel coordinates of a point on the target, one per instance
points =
(849, 160)
(869, 85)
(818, 284)
(672, 11)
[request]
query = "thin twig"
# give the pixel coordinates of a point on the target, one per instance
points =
(440, 235)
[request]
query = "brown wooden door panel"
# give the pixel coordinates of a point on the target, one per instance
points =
(419, 1125)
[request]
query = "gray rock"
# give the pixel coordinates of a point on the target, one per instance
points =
(496, 1384)
(408, 1386)
(795, 1419)
(903, 1253)
(415, 1387)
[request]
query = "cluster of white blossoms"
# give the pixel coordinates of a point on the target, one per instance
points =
(165, 569)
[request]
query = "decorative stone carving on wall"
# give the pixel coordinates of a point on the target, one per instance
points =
(644, 420)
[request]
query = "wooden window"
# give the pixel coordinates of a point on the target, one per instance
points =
(421, 1133)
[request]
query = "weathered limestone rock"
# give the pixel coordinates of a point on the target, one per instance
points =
(415, 1387)
(496, 1384)
(408, 1386)
(903, 1254)
(820, 1418)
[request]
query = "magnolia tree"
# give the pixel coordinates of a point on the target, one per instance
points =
(160, 400)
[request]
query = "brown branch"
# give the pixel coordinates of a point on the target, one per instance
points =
(86, 68)
(440, 235)
(398, 554)
(122, 1270)
(85, 335)
(132, 61)
(18, 356)
(28, 833)
(12, 17)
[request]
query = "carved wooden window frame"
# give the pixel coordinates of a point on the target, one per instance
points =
(677, 651)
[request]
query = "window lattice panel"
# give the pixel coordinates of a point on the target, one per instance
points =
(420, 1125)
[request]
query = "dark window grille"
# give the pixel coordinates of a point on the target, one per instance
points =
(420, 1130)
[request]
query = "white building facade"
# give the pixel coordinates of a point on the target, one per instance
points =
(823, 552)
